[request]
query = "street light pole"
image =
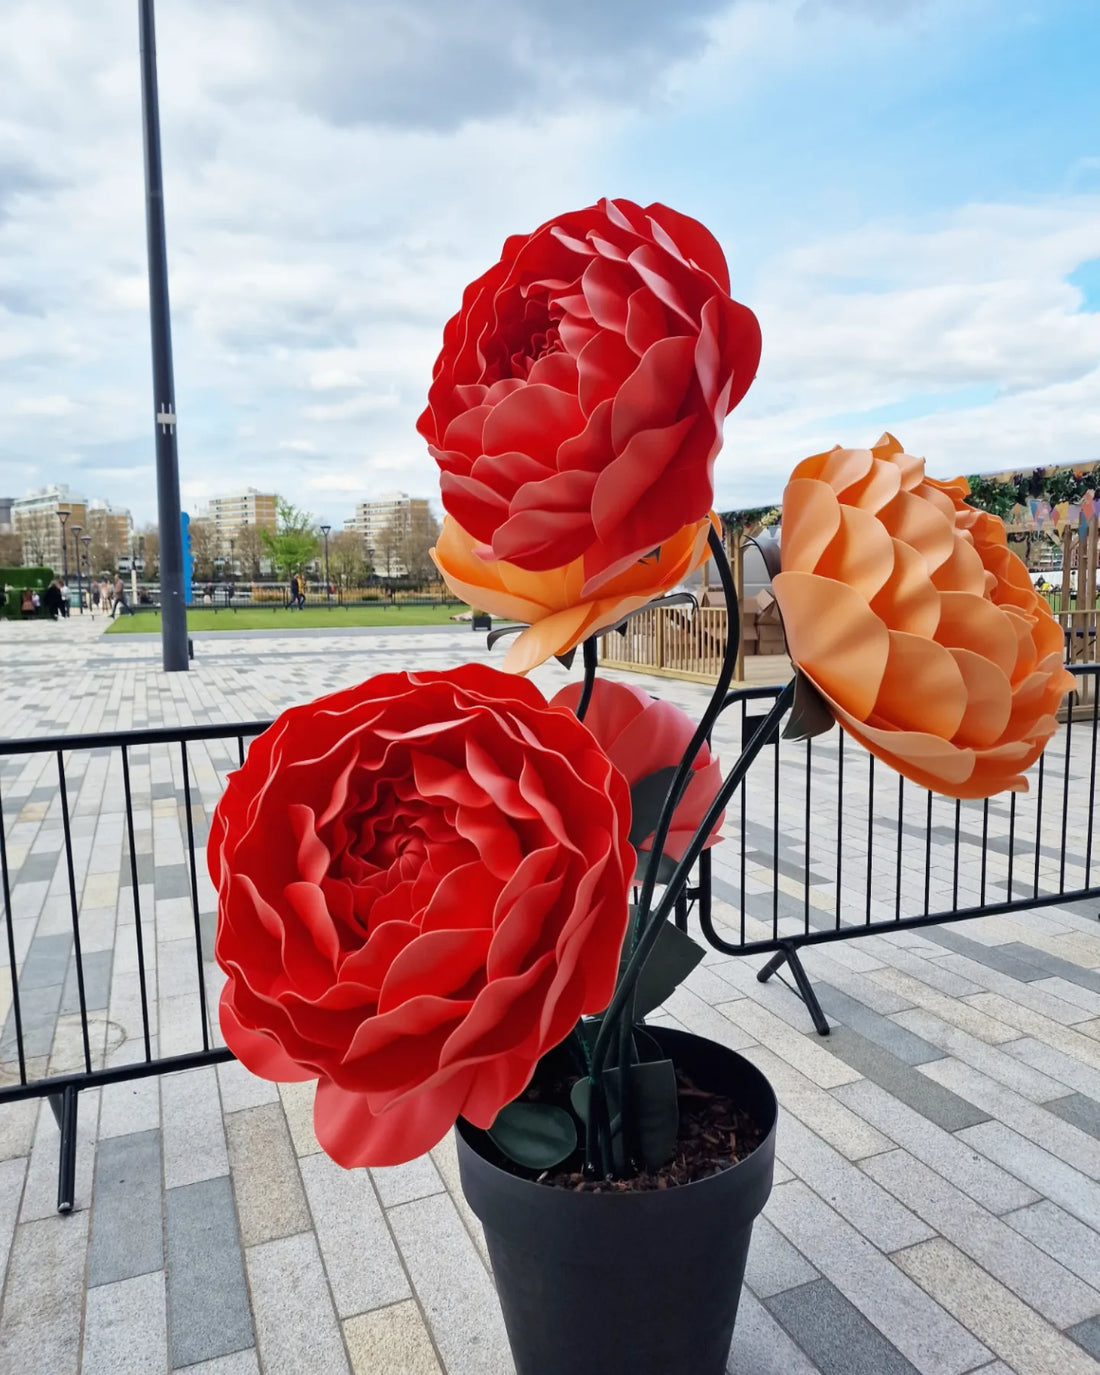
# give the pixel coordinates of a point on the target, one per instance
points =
(79, 586)
(63, 516)
(328, 586)
(172, 605)
(86, 540)
(232, 567)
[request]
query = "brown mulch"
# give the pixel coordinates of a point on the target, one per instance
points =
(715, 1133)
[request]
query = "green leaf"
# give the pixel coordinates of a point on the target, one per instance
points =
(810, 713)
(537, 1135)
(673, 957)
(666, 867)
(647, 797)
(655, 1110)
(653, 1090)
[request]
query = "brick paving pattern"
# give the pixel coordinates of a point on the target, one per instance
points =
(937, 1198)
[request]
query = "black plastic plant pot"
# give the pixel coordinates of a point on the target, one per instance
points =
(633, 1283)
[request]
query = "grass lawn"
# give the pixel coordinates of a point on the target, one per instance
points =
(282, 618)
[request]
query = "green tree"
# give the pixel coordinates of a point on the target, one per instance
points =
(295, 540)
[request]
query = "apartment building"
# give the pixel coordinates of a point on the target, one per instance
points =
(229, 514)
(378, 522)
(37, 517)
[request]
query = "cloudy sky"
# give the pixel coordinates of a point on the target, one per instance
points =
(908, 192)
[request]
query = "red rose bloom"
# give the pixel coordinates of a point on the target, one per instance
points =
(641, 735)
(576, 407)
(422, 885)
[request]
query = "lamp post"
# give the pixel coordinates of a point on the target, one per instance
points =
(63, 516)
(86, 540)
(79, 586)
(328, 586)
(232, 569)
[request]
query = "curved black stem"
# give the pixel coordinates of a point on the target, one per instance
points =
(624, 992)
(620, 1014)
(590, 650)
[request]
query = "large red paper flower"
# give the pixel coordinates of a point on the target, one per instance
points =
(422, 885)
(576, 406)
(915, 621)
(642, 735)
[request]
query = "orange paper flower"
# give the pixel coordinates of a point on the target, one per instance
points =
(552, 604)
(912, 618)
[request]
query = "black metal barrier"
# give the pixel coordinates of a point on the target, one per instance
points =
(841, 846)
(822, 844)
(119, 780)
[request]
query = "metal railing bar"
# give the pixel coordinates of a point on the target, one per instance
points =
(74, 909)
(117, 1074)
(194, 895)
(137, 903)
(9, 923)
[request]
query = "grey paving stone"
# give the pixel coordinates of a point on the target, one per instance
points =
(939, 1105)
(36, 868)
(1084, 1078)
(880, 1030)
(761, 1347)
(867, 1207)
(38, 1010)
(363, 1266)
(97, 983)
(1054, 965)
(453, 1286)
(931, 1340)
(12, 1175)
(208, 1308)
(125, 1327)
(192, 1128)
(835, 1334)
(1034, 1120)
(1087, 1334)
(47, 961)
(1069, 1241)
(992, 955)
(1052, 1177)
(773, 1263)
(1079, 1110)
(41, 1319)
(266, 1182)
(402, 1183)
(990, 1060)
(172, 881)
(127, 1234)
(1029, 1272)
(995, 1189)
(296, 1328)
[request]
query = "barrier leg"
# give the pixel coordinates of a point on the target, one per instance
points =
(64, 1107)
(788, 955)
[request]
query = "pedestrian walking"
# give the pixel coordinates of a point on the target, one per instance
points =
(120, 598)
(93, 596)
(64, 599)
(52, 598)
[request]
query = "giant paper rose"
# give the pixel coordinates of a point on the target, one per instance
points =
(422, 885)
(576, 406)
(553, 604)
(916, 623)
(643, 735)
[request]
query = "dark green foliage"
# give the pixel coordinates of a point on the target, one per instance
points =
(536, 1135)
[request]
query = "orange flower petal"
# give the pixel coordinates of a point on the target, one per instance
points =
(811, 517)
(834, 637)
(909, 601)
(988, 700)
(922, 688)
(860, 554)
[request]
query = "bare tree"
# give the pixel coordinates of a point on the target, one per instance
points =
(248, 550)
(404, 542)
(11, 550)
(102, 554)
(346, 559)
(39, 531)
(204, 549)
(421, 530)
(148, 542)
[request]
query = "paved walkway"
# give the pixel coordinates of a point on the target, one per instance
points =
(937, 1200)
